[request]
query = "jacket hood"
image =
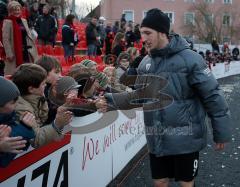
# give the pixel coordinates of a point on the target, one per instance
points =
(176, 44)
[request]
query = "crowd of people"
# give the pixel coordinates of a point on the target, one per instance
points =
(216, 56)
(37, 102)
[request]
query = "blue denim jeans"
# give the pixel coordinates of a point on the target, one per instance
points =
(92, 50)
(68, 51)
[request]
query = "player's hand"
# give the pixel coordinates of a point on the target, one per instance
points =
(219, 146)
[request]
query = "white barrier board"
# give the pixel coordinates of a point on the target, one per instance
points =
(80, 159)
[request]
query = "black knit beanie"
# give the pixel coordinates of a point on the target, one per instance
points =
(8, 91)
(156, 20)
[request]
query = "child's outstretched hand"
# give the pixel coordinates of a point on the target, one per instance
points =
(28, 119)
(5, 131)
(63, 117)
(101, 104)
(12, 144)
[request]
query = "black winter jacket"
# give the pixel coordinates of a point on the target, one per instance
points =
(91, 34)
(46, 28)
(177, 90)
(67, 35)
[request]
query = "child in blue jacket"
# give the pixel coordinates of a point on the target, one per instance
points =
(14, 137)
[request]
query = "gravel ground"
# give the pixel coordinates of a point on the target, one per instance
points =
(219, 169)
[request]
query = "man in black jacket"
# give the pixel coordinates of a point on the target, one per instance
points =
(46, 27)
(92, 37)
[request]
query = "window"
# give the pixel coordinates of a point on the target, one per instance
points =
(209, 1)
(227, 1)
(209, 19)
(189, 18)
(144, 13)
(171, 16)
(189, 1)
(129, 15)
(226, 19)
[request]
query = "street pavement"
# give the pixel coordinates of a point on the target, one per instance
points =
(218, 169)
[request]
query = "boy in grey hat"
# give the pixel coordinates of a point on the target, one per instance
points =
(66, 87)
(73, 96)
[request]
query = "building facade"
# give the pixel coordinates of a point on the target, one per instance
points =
(214, 18)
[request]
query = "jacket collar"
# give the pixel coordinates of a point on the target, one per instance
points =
(175, 45)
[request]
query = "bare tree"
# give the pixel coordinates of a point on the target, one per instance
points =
(208, 22)
(84, 9)
(68, 6)
(63, 6)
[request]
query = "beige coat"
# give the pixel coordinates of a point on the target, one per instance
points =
(8, 43)
(44, 134)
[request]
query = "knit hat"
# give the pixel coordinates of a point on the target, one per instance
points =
(8, 91)
(13, 4)
(102, 79)
(156, 20)
(77, 69)
(65, 84)
(88, 63)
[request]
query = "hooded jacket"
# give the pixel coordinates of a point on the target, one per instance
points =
(177, 91)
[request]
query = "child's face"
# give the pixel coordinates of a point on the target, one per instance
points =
(53, 76)
(111, 76)
(93, 70)
(90, 92)
(124, 62)
(71, 94)
(40, 90)
(9, 107)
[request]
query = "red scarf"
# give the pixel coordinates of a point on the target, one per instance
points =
(17, 39)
